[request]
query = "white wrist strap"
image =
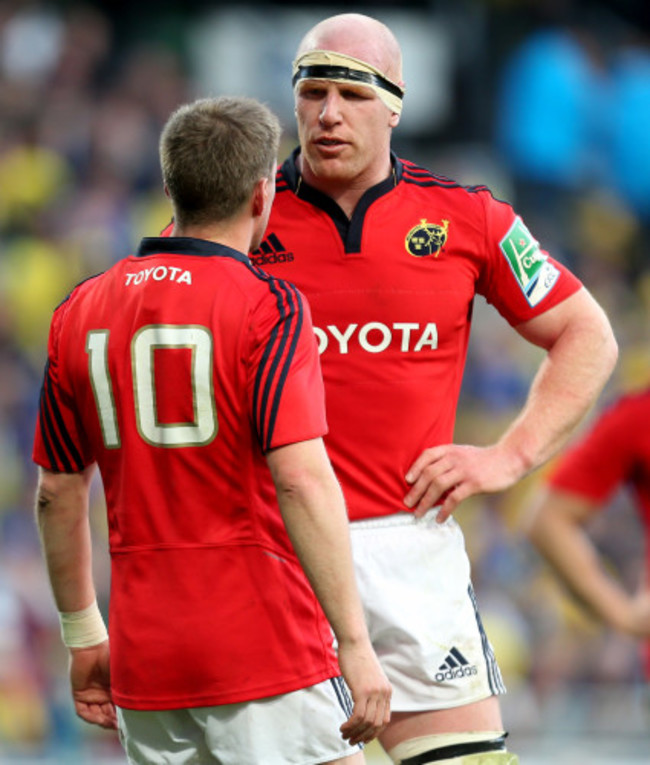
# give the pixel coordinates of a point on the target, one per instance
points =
(82, 629)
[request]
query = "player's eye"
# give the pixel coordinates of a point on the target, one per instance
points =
(357, 94)
(312, 92)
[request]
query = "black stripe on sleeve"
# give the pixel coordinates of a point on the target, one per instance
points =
(276, 348)
(58, 434)
(259, 377)
(45, 433)
(296, 322)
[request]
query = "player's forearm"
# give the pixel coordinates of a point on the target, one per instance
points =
(318, 528)
(569, 551)
(314, 513)
(62, 520)
(568, 382)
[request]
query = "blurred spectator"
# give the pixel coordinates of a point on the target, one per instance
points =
(550, 90)
(613, 455)
(630, 115)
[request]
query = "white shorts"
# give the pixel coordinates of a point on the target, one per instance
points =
(414, 580)
(299, 728)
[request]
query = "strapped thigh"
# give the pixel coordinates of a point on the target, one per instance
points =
(485, 748)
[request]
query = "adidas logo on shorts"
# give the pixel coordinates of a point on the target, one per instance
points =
(454, 667)
(271, 251)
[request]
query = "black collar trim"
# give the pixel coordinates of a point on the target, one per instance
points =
(351, 229)
(185, 245)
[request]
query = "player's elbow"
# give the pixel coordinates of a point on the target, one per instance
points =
(608, 346)
(298, 484)
(57, 493)
(47, 490)
(605, 339)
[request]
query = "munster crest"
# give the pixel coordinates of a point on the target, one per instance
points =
(426, 238)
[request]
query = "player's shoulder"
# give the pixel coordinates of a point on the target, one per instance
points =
(260, 286)
(65, 312)
(415, 176)
(78, 293)
(88, 290)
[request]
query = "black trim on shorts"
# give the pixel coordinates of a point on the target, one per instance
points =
(342, 694)
(495, 680)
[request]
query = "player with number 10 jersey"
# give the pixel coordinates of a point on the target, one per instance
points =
(195, 411)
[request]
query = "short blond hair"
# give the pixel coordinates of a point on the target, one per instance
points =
(212, 153)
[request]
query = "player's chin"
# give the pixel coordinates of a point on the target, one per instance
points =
(335, 169)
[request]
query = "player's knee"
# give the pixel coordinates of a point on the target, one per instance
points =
(483, 748)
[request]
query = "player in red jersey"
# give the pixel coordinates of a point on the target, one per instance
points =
(192, 379)
(614, 453)
(391, 257)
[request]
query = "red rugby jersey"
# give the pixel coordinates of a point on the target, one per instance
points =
(176, 370)
(615, 452)
(391, 294)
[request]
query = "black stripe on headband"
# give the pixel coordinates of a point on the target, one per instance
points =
(327, 72)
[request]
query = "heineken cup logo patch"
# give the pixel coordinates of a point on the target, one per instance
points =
(534, 274)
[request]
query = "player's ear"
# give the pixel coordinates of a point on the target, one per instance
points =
(394, 119)
(260, 194)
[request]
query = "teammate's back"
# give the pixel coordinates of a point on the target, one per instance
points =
(166, 386)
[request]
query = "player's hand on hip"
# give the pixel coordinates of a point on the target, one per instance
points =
(446, 475)
(370, 691)
(91, 685)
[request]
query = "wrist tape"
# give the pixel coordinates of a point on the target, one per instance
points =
(83, 629)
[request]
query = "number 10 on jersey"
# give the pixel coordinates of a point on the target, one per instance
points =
(156, 337)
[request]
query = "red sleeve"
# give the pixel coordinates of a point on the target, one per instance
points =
(59, 443)
(604, 458)
(521, 279)
(285, 381)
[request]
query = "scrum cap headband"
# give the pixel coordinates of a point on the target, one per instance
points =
(339, 67)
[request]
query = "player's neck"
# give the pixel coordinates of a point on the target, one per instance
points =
(346, 197)
(234, 234)
(346, 192)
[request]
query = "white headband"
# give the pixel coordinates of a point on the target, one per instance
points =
(339, 67)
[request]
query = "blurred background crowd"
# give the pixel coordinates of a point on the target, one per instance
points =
(547, 102)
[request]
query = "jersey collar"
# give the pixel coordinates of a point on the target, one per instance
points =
(303, 190)
(185, 245)
(350, 229)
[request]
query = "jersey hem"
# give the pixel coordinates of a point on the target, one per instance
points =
(219, 699)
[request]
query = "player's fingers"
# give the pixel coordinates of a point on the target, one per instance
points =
(427, 489)
(452, 500)
(434, 481)
(97, 714)
(110, 716)
(384, 709)
(429, 493)
(361, 733)
(377, 714)
(428, 457)
(361, 726)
